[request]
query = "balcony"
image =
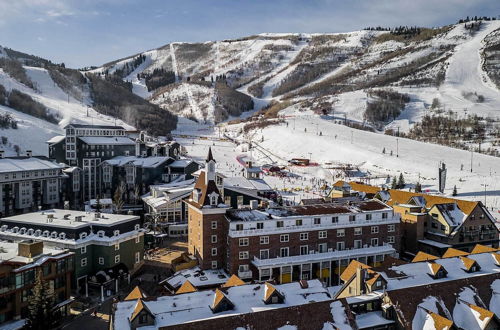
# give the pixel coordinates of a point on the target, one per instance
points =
(244, 275)
(333, 255)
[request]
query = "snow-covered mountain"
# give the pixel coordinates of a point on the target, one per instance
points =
(446, 63)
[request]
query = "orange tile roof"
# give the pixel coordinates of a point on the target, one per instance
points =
(233, 281)
(219, 297)
(422, 256)
(468, 262)
(482, 249)
(135, 294)
(483, 313)
(440, 322)
(269, 291)
(451, 252)
(372, 280)
(496, 257)
(435, 267)
(138, 308)
(186, 287)
(402, 197)
(351, 270)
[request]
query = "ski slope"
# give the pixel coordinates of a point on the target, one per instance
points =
(465, 75)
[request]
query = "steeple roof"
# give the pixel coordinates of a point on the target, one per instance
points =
(210, 156)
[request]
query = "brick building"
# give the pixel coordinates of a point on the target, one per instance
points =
(287, 243)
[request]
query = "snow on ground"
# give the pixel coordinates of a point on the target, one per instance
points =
(33, 132)
(465, 75)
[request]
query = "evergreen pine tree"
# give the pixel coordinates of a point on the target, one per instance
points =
(394, 184)
(418, 187)
(41, 302)
(401, 182)
(454, 191)
(383, 150)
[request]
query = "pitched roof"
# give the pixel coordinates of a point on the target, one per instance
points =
(139, 307)
(210, 156)
(136, 293)
(374, 279)
(496, 258)
(233, 281)
(205, 190)
(351, 270)
(186, 287)
(435, 267)
(482, 248)
(468, 263)
(451, 252)
(402, 197)
(440, 322)
(219, 297)
(269, 291)
(422, 256)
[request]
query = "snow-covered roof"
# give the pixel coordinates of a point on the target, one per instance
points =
(19, 164)
(189, 307)
(181, 163)
(146, 162)
(107, 140)
(197, 277)
(371, 319)
(9, 252)
(69, 218)
(417, 273)
(242, 182)
(56, 139)
(452, 214)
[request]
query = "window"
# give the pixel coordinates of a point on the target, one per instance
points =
(374, 242)
(213, 200)
(264, 254)
(82, 235)
(322, 247)
(358, 231)
(340, 232)
(214, 251)
(352, 218)
(368, 216)
(284, 238)
(390, 239)
(137, 227)
(284, 252)
(116, 233)
(264, 239)
(83, 249)
(260, 225)
(340, 246)
(384, 215)
(137, 257)
(100, 233)
(214, 264)
(117, 258)
(317, 221)
(239, 226)
(322, 234)
(117, 247)
(279, 224)
(304, 236)
(391, 228)
(335, 219)
(214, 224)
(358, 244)
(304, 249)
(298, 222)
(374, 229)
(243, 255)
(138, 239)
(244, 241)
(101, 261)
(213, 238)
(83, 262)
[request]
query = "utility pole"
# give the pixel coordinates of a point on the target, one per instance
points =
(484, 185)
(397, 147)
(471, 154)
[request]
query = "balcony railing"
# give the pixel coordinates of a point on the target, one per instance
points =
(349, 224)
(246, 274)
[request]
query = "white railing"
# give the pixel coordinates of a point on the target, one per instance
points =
(249, 232)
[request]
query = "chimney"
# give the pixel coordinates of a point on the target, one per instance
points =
(359, 281)
(29, 248)
(303, 284)
(29, 153)
(2, 154)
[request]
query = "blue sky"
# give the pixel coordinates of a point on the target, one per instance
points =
(92, 32)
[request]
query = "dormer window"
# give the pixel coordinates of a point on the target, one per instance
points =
(62, 235)
(137, 227)
(213, 200)
(53, 234)
(116, 233)
(100, 233)
(196, 195)
(83, 235)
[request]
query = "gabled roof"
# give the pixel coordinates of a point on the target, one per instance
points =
(422, 256)
(205, 190)
(351, 270)
(451, 252)
(269, 291)
(136, 293)
(496, 258)
(220, 297)
(440, 322)
(480, 314)
(186, 287)
(468, 263)
(435, 268)
(482, 249)
(233, 281)
(374, 279)
(139, 307)
(451, 213)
